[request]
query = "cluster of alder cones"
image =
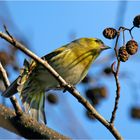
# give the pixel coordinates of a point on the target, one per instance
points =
(131, 47)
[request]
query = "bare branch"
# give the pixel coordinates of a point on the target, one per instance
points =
(116, 44)
(13, 99)
(63, 83)
(26, 126)
(115, 73)
(7, 32)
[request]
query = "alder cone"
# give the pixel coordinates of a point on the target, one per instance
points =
(110, 33)
(123, 54)
(136, 21)
(132, 47)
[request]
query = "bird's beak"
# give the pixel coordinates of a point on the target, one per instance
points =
(104, 47)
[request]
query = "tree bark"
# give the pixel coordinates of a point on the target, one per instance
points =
(25, 126)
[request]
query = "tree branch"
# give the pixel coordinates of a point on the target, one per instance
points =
(13, 100)
(63, 83)
(26, 126)
(117, 92)
(116, 73)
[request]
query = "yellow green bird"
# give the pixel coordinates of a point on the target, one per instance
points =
(71, 61)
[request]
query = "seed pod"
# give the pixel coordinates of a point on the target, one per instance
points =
(103, 92)
(93, 95)
(136, 21)
(107, 71)
(135, 112)
(132, 47)
(123, 54)
(110, 33)
(4, 58)
(52, 98)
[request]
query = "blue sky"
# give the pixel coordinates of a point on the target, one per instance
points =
(49, 25)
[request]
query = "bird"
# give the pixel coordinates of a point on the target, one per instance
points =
(71, 61)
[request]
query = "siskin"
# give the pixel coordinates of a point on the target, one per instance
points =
(71, 61)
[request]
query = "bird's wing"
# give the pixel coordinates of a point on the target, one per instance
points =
(11, 90)
(56, 52)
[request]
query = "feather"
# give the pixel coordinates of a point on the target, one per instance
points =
(11, 90)
(34, 105)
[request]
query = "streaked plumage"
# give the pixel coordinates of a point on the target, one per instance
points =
(71, 61)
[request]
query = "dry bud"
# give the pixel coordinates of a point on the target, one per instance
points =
(52, 98)
(110, 33)
(123, 54)
(136, 21)
(131, 47)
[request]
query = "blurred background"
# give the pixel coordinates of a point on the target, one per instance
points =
(45, 26)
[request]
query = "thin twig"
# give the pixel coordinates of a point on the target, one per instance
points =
(14, 101)
(127, 29)
(123, 38)
(116, 45)
(66, 86)
(115, 73)
(130, 32)
(6, 30)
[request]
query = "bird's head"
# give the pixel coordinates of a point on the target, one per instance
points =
(93, 45)
(96, 44)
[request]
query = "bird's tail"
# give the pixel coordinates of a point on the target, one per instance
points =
(32, 98)
(34, 105)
